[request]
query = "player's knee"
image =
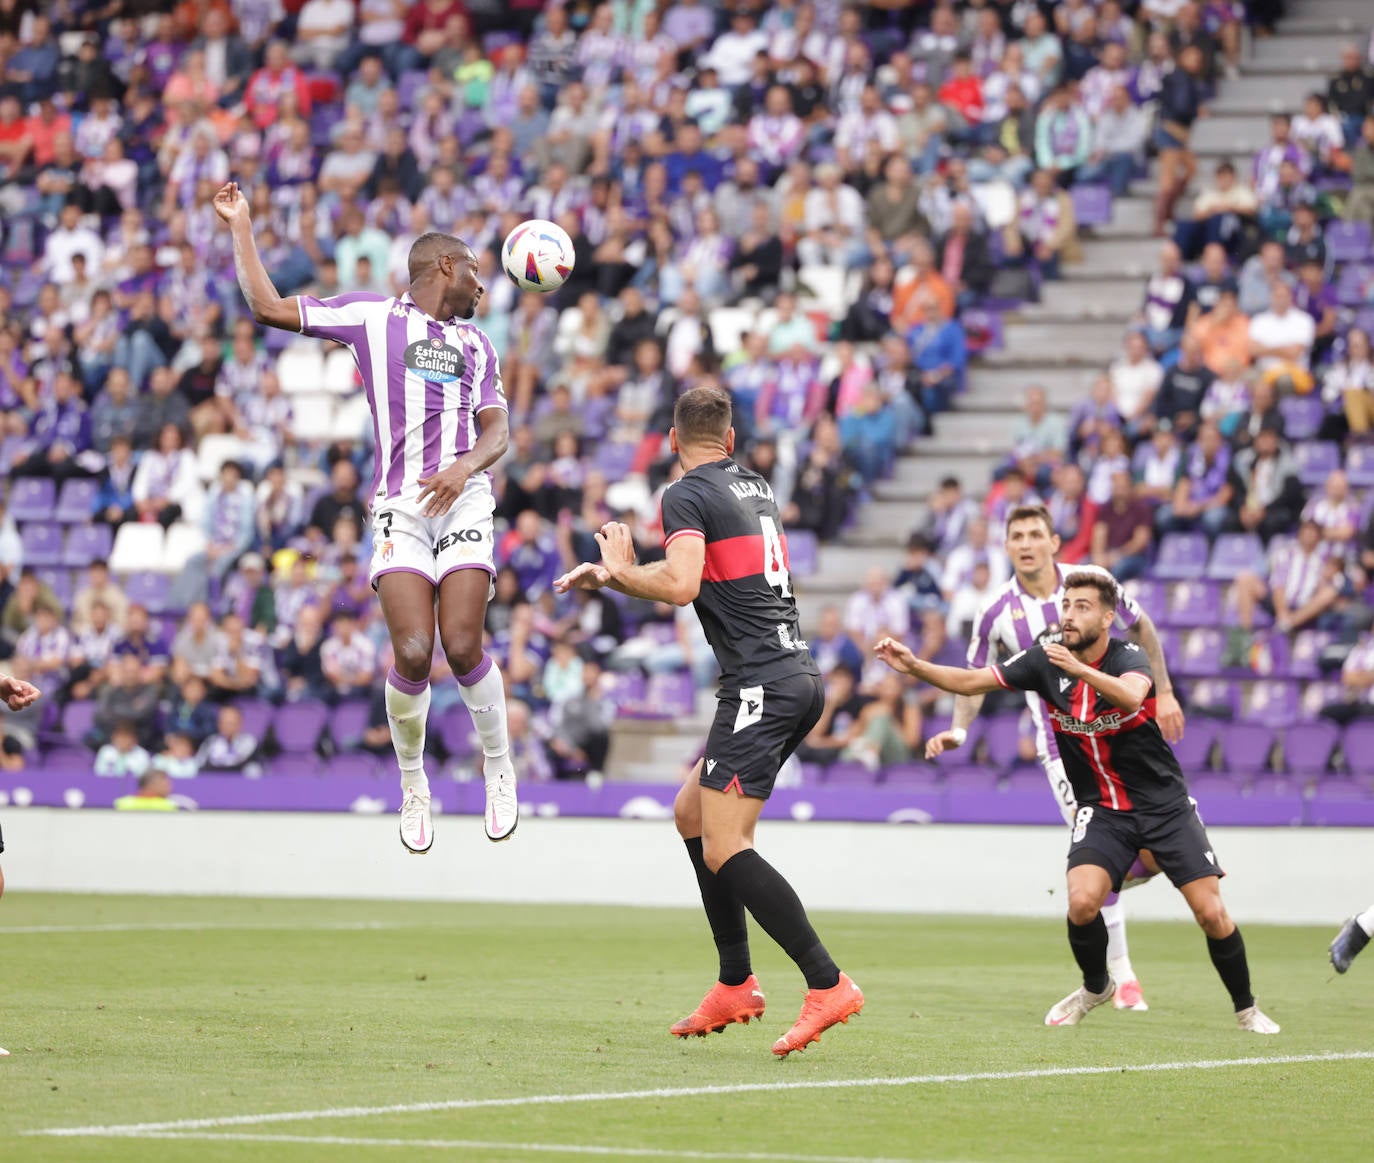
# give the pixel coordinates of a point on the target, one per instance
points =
(414, 656)
(464, 651)
(1212, 917)
(715, 850)
(1083, 906)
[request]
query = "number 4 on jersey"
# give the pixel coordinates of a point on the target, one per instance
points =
(774, 559)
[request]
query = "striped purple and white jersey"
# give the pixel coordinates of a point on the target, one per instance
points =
(1012, 621)
(426, 379)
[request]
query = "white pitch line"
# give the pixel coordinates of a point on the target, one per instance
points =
(355, 1112)
(203, 927)
(533, 1148)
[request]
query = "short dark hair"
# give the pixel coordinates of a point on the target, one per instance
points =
(1031, 513)
(1104, 584)
(429, 247)
(702, 414)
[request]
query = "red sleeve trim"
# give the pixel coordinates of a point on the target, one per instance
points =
(997, 674)
(683, 533)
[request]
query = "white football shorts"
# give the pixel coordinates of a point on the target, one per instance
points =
(406, 541)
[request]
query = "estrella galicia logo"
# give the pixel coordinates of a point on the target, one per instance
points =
(1052, 632)
(435, 360)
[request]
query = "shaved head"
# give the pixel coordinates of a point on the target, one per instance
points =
(432, 246)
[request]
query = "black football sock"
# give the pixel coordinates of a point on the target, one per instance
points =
(1089, 945)
(1228, 955)
(725, 914)
(774, 904)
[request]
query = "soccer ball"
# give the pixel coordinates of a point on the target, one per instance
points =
(537, 255)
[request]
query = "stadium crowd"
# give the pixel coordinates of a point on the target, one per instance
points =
(821, 207)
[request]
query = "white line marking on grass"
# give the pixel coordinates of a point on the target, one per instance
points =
(356, 1112)
(204, 927)
(496, 1145)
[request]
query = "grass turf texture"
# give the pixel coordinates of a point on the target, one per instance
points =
(274, 1010)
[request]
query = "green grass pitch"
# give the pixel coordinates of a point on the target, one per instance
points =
(241, 1008)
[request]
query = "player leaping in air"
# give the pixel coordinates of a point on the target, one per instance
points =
(1101, 703)
(727, 555)
(440, 420)
(1026, 611)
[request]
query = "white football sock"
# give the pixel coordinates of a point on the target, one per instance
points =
(1366, 921)
(407, 708)
(484, 691)
(1118, 955)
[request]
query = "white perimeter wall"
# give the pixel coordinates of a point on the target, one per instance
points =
(1304, 875)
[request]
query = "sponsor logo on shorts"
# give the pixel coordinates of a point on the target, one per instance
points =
(435, 361)
(457, 538)
(750, 707)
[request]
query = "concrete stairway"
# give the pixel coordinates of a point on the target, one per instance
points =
(1068, 338)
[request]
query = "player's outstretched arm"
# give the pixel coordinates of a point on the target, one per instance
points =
(1168, 712)
(17, 694)
(267, 306)
(955, 679)
(676, 579)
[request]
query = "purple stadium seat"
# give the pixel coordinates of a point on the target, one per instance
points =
(78, 717)
(846, 774)
(671, 696)
(13, 449)
(1150, 596)
(913, 776)
(257, 716)
(1304, 657)
(1200, 655)
(87, 543)
(627, 691)
(298, 725)
(1359, 466)
(42, 543)
(1347, 241)
(1004, 739)
(1316, 460)
(76, 501)
(801, 552)
(1234, 552)
(1194, 603)
(457, 734)
(1364, 319)
(614, 459)
(1358, 746)
(67, 762)
(1092, 205)
(348, 722)
(1270, 703)
(1214, 696)
(33, 499)
(1181, 555)
(1245, 748)
(1194, 750)
(1230, 612)
(1302, 416)
(1307, 747)
(1316, 695)
(148, 589)
(351, 765)
(812, 774)
(1351, 284)
(60, 582)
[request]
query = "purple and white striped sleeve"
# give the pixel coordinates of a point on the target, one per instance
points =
(980, 645)
(488, 388)
(340, 318)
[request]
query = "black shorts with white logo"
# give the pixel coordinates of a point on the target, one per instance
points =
(756, 729)
(1112, 840)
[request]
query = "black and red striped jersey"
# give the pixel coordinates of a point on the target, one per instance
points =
(745, 605)
(1113, 759)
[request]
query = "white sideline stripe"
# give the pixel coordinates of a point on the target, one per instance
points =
(356, 1112)
(204, 927)
(534, 1148)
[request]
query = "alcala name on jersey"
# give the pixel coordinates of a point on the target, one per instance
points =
(745, 489)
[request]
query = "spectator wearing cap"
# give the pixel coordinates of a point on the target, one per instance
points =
(1119, 132)
(1281, 340)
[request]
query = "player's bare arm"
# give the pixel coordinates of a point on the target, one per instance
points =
(446, 486)
(17, 694)
(267, 306)
(966, 709)
(1125, 692)
(1168, 712)
(676, 579)
(956, 680)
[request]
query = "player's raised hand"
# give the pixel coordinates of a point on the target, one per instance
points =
(937, 745)
(587, 576)
(1065, 659)
(17, 694)
(230, 203)
(617, 546)
(896, 655)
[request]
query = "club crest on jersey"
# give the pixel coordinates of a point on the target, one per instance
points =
(435, 361)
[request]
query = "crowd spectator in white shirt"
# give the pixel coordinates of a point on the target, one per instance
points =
(1281, 341)
(348, 658)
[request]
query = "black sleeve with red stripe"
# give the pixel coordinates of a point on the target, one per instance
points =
(1028, 671)
(682, 513)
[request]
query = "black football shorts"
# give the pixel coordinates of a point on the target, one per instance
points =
(1112, 840)
(756, 729)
